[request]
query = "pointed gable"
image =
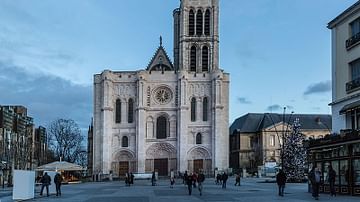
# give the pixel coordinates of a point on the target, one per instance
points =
(160, 61)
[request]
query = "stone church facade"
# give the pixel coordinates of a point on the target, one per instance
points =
(170, 115)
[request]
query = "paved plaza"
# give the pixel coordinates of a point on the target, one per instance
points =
(251, 190)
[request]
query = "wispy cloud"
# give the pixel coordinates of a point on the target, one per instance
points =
(243, 100)
(47, 97)
(275, 107)
(317, 88)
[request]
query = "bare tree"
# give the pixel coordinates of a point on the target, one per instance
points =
(65, 139)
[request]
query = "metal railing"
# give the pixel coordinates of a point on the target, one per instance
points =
(353, 84)
(352, 40)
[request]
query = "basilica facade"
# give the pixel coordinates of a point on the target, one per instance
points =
(169, 115)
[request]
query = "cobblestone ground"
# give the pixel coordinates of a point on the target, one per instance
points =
(251, 190)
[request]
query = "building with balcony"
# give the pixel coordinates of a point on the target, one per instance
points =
(256, 138)
(345, 39)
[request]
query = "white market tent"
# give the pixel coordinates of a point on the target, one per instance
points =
(60, 166)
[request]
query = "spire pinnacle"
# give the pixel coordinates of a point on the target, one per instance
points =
(160, 40)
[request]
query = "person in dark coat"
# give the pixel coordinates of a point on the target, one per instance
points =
(131, 178)
(315, 179)
(200, 179)
(57, 180)
(224, 178)
(189, 182)
(218, 179)
(153, 179)
(331, 179)
(237, 179)
(185, 176)
(281, 180)
(46, 181)
(194, 179)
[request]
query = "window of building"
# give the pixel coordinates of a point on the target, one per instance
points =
(199, 23)
(207, 22)
(272, 140)
(124, 141)
(161, 127)
(193, 59)
(118, 111)
(198, 138)
(205, 59)
(205, 109)
(131, 111)
(355, 69)
(191, 23)
(355, 119)
(193, 109)
(356, 172)
(355, 27)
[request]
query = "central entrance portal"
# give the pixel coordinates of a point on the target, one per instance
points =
(198, 165)
(161, 166)
(123, 168)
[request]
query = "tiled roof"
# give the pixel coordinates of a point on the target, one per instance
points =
(255, 122)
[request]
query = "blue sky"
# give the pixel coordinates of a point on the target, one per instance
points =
(276, 51)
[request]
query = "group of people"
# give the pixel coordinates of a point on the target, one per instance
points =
(46, 181)
(314, 178)
(221, 179)
(129, 179)
(194, 180)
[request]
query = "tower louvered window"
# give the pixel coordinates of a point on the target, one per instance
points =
(207, 22)
(205, 59)
(193, 59)
(199, 23)
(191, 23)
(131, 111)
(118, 111)
(193, 109)
(205, 109)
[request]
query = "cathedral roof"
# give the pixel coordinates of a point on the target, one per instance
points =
(160, 61)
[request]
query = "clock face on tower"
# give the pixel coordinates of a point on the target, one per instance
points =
(163, 95)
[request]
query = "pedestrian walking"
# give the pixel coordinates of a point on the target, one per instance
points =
(57, 180)
(315, 179)
(331, 179)
(185, 177)
(194, 179)
(218, 179)
(153, 179)
(237, 179)
(172, 182)
(189, 183)
(131, 178)
(127, 179)
(45, 182)
(224, 178)
(200, 179)
(281, 180)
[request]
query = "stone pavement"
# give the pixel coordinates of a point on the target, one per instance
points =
(251, 190)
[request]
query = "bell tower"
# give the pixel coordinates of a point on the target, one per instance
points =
(196, 36)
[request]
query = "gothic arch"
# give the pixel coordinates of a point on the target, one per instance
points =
(123, 155)
(199, 153)
(161, 150)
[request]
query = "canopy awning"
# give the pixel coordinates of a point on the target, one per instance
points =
(60, 166)
(350, 107)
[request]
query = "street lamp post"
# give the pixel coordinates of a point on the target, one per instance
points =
(284, 132)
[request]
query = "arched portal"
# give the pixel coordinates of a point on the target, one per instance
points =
(123, 161)
(161, 158)
(199, 158)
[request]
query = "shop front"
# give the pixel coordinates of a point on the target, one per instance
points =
(342, 152)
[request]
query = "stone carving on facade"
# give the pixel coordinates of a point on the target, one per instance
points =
(123, 155)
(161, 150)
(199, 153)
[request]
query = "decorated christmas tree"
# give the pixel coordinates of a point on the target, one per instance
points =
(294, 154)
